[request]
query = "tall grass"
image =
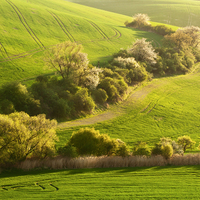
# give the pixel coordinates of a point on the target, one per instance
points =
(109, 162)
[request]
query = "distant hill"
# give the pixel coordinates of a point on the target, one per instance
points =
(179, 12)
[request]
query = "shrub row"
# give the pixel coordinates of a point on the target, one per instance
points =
(89, 142)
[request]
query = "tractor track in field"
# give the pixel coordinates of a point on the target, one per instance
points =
(36, 50)
(25, 24)
(24, 185)
(117, 33)
(189, 15)
(116, 36)
(4, 50)
(99, 30)
(62, 26)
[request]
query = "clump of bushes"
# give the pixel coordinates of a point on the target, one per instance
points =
(141, 21)
(88, 141)
(141, 148)
(180, 48)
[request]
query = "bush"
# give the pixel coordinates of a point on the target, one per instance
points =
(143, 51)
(100, 96)
(22, 136)
(122, 150)
(141, 149)
(82, 101)
(157, 149)
(108, 84)
(167, 150)
(68, 150)
(7, 106)
(15, 96)
(88, 141)
(162, 30)
(163, 148)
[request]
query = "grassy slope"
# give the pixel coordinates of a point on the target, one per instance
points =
(167, 107)
(176, 12)
(119, 183)
(27, 27)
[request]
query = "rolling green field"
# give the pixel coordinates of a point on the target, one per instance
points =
(30, 27)
(165, 107)
(114, 183)
(179, 12)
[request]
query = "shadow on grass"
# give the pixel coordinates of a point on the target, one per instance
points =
(18, 172)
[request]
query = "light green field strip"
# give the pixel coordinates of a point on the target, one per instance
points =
(114, 183)
(179, 12)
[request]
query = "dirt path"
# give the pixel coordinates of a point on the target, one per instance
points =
(114, 112)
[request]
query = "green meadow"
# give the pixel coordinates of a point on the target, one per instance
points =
(114, 183)
(164, 107)
(179, 12)
(30, 27)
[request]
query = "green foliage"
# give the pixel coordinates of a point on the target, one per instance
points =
(100, 96)
(82, 101)
(162, 30)
(22, 136)
(141, 148)
(109, 85)
(68, 150)
(89, 142)
(186, 142)
(157, 149)
(7, 106)
(164, 149)
(167, 150)
(123, 150)
(15, 96)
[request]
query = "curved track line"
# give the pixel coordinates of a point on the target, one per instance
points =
(25, 24)
(62, 26)
(99, 30)
(117, 33)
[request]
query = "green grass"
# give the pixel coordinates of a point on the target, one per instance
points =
(114, 183)
(175, 12)
(166, 107)
(28, 27)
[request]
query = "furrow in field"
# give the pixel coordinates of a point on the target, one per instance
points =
(99, 29)
(118, 33)
(3, 50)
(189, 16)
(62, 26)
(15, 57)
(54, 186)
(25, 24)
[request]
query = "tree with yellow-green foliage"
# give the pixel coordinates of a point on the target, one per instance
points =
(22, 136)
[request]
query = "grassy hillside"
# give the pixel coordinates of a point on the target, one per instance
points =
(29, 27)
(179, 12)
(166, 107)
(119, 183)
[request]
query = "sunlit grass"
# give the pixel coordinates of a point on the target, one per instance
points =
(113, 183)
